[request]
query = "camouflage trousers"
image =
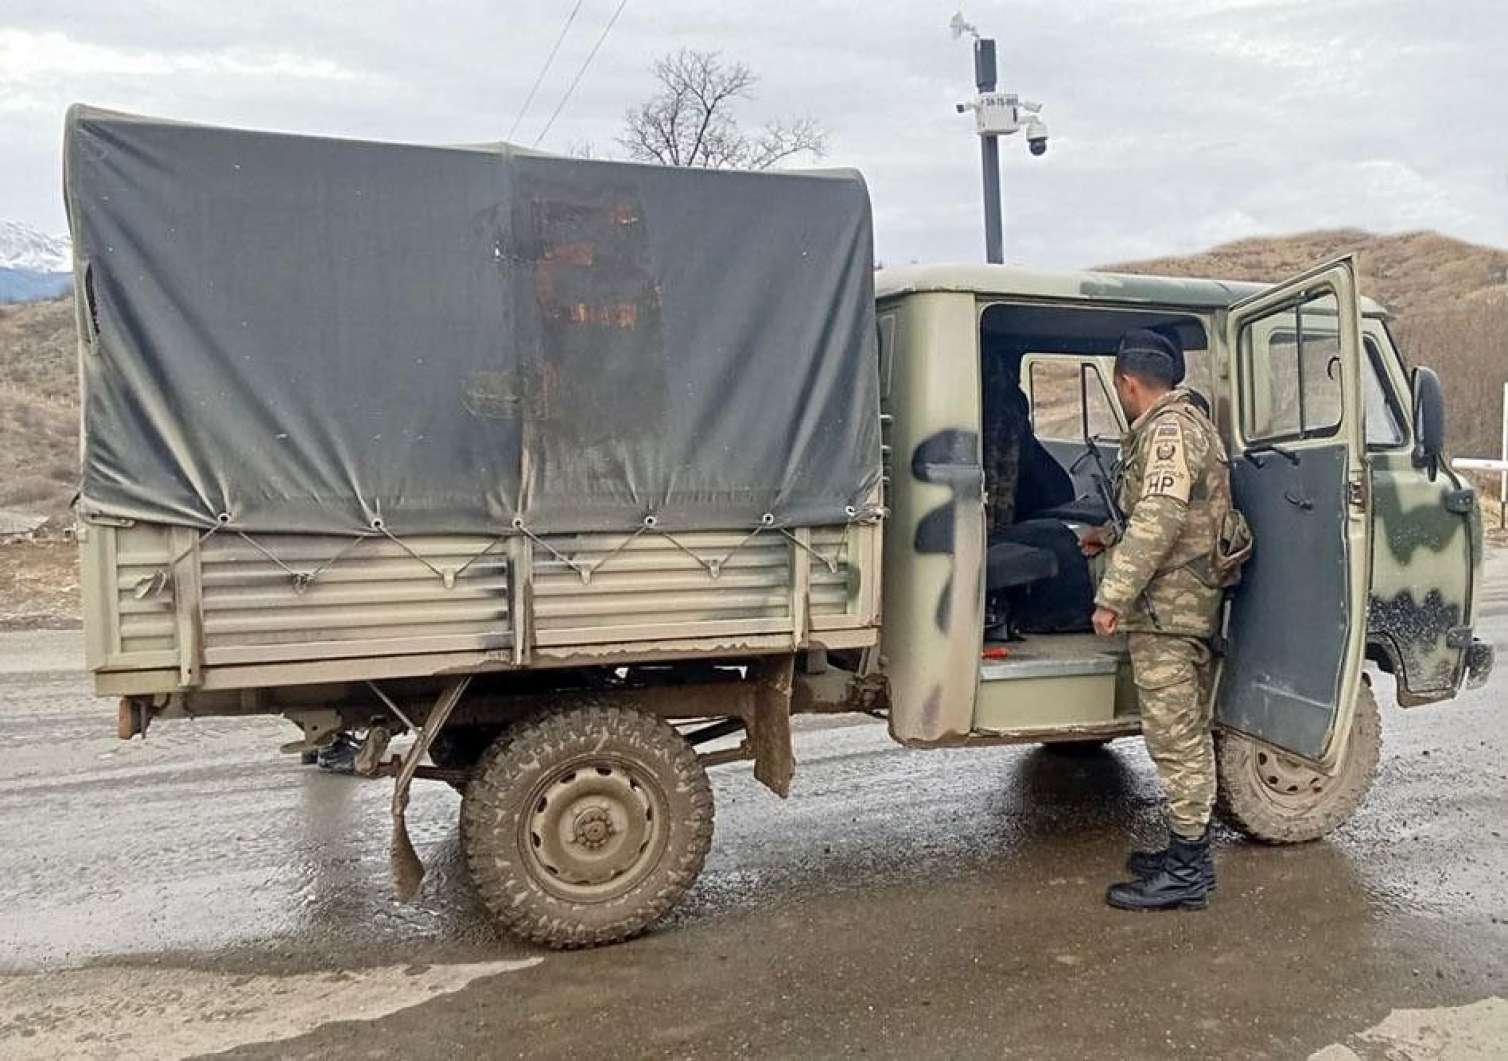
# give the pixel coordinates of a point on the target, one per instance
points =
(1173, 684)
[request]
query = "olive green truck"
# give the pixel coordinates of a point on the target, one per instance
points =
(587, 476)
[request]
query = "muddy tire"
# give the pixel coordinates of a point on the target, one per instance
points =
(583, 826)
(1279, 800)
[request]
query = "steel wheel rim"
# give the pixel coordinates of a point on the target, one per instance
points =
(594, 829)
(1286, 781)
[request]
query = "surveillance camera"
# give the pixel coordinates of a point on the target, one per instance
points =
(1036, 136)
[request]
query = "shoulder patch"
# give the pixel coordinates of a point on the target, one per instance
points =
(1167, 471)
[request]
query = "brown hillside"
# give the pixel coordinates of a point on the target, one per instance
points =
(1409, 273)
(1449, 300)
(38, 408)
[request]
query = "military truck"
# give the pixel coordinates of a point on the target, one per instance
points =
(589, 476)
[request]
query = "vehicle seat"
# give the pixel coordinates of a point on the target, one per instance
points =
(1089, 511)
(1010, 565)
(1038, 579)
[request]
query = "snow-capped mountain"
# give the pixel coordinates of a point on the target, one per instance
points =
(23, 247)
(33, 264)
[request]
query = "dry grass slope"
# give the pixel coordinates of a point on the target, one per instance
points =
(38, 408)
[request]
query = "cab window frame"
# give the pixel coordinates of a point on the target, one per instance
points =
(1245, 411)
(1396, 414)
(1080, 365)
(1393, 374)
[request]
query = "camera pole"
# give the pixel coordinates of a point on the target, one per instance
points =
(996, 114)
(989, 151)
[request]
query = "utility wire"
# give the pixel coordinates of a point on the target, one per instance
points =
(544, 69)
(581, 72)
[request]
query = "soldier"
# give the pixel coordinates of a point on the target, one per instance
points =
(1006, 420)
(1160, 590)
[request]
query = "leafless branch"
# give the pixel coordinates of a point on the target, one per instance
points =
(689, 120)
(782, 139)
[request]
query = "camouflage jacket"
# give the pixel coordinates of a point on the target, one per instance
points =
(1006, 420)
(1175, 490)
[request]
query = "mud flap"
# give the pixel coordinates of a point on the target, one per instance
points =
(408, 871)
(770, 724)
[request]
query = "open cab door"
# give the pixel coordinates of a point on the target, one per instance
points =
(1297, 625)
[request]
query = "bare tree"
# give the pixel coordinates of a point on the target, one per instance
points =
(689, 121)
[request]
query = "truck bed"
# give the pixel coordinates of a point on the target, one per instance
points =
(172, 608)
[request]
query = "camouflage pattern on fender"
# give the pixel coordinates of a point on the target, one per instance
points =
(1175, 490)
(1420, 591)
(1426, 558)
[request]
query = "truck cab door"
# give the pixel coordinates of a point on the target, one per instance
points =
(1297, 624)
(935, 535)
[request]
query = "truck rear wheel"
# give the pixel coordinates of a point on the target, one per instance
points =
(583, 826)
(1279, 800)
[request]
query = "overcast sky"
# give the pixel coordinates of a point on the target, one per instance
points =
(1174, 125)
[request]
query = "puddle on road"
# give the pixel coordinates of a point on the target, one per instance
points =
(1447, 1033)
(125, 1013)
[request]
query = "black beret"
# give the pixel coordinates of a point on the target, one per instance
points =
(1144, 340)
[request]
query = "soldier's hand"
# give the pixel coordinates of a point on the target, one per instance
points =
(1093, 541)
(1106, 622)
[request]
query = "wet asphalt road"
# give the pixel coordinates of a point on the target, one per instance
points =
(198, 892)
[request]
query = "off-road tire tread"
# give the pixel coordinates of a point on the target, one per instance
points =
(1239, 803)
(499, 742)
(504, 778)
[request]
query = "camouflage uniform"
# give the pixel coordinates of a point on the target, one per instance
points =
(1005, 422)
(1175, 490)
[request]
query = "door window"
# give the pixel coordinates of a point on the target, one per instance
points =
(1290, 361)
(1384, 422)
(1064, 392)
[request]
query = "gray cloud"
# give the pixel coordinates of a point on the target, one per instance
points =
(1175, 126)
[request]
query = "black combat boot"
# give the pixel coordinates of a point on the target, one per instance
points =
(1143, 865)
(339, 756)
(1180, 883)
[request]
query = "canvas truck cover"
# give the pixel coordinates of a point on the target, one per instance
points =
(300, 334)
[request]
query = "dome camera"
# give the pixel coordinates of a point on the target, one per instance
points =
(1036, 137)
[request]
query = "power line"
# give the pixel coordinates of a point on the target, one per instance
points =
(544, 69)
(579, 73)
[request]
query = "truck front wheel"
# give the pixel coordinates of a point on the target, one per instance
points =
(584, 825)
(1279, 800)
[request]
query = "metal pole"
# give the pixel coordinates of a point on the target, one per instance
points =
(1502, 476)
(989, 150)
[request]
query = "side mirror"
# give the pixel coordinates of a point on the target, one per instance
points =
(1429, 419)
